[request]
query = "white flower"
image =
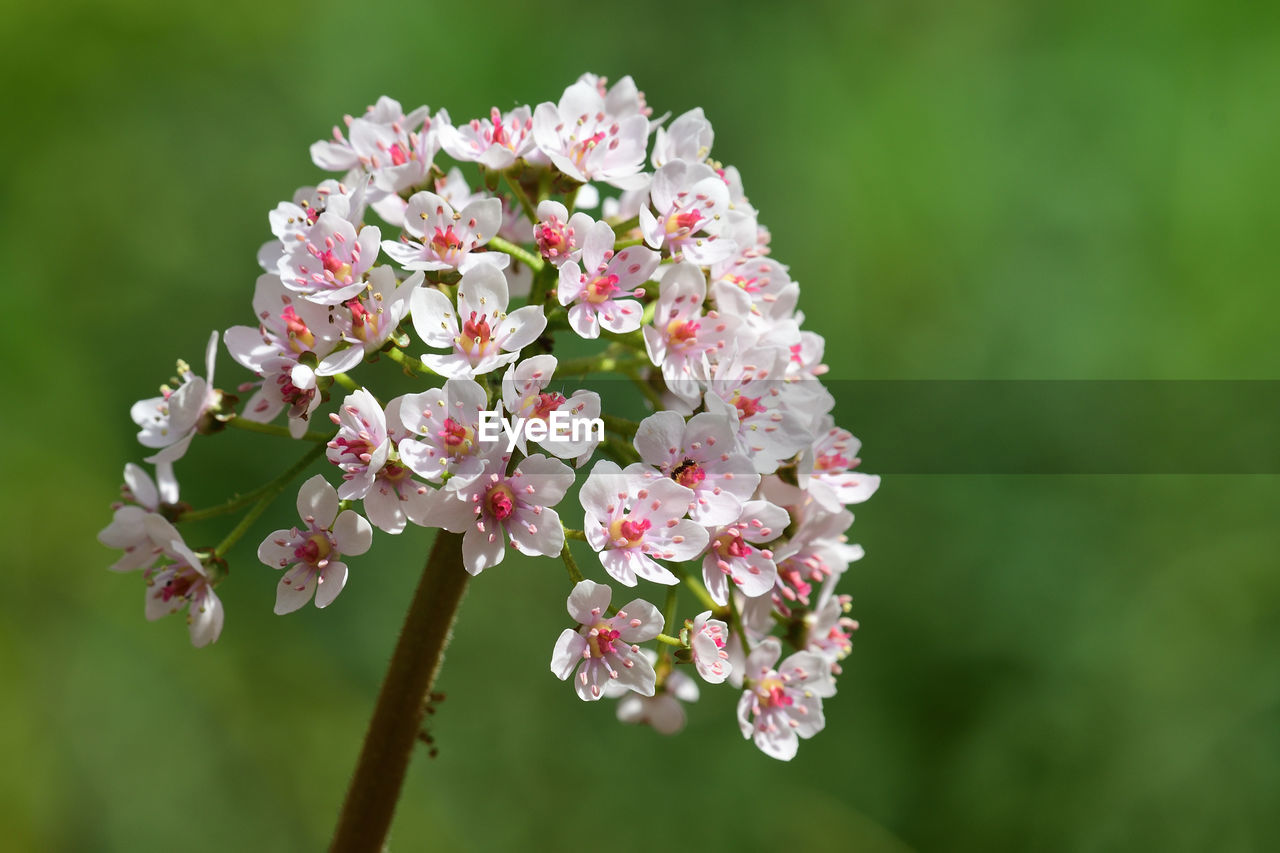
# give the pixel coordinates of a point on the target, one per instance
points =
(632, 522)
(182, 583)
(782, 705)
(443, 238)
(327, 262)
(312, 553)
(603, 649)
(442, 426)
(128, 528)
(525, 396)
(487, 337)
(736, 559)
(495, 142)
(691, 203)
(707, 640)
(169, 421)
(598, 290)
(498, 507)
(702, 455)
(662, 710)
(587, 141)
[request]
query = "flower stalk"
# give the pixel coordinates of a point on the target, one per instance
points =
(397, 717)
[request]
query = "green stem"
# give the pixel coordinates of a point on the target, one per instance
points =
(410, 364)
(615, 357)
(570, 564)
(529, 210)
(346, 381)
(624, 226)
(275, 429)
(269, 493)
(697, 587)
(397, 717)
(570, 533)
(650, 393)
(623, 427)
(521, 254)
(622, 244)
(670, 641)
(669, 611)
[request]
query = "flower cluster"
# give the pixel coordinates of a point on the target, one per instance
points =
(586, 220)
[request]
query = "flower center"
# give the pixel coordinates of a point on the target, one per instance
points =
(446, 244)
(601, 640)
(682, 331)
(335, 266)
(456, 437)
(689, 474)
(364, 322)
(832, 462)
(626, 533)
(398, 155)
(552, 238)
(579, 150)
(393, 472)
(314, 549)
(178, 586)
(602, 288)
(682, 224)
(546, 403)
(475, 333)
(747, 406)
(772, 694)
(300, 337)
(731, 545)
(500, 502)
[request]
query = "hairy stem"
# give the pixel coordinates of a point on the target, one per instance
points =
(397, 718)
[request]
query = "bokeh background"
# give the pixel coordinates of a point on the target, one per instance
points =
(984, 190)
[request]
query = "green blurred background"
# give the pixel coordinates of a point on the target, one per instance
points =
(984, 190)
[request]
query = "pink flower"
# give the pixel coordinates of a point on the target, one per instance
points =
(439, 238)
(169, 421)
(311, 553)
(560, 237)
(597, 292)
(182, 583)
(782, 705)
(832, 480)
(361, 446)
(689, 137)
(735, 559)
(327, 262)
(128, 528)
(632, 522)
(366, 322)
(524, 395)
(586, 140)
(487, 337)
(441, 426)
(603, 649)
(690, 211)
(662, 710)
(394, 149)
(707, 640)
(498, 507)
(682, 340)
(702, 455)
(495, 142)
